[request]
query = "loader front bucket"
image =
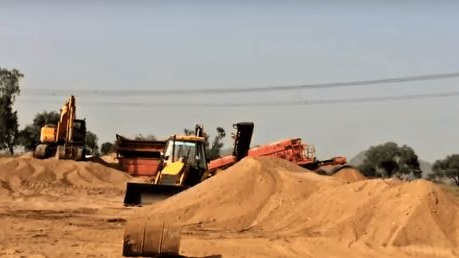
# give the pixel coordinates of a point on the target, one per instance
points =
(145, 193)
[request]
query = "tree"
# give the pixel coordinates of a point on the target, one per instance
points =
(389, 159)
(106, 148)
(91, 141)
(446, 168)
(141, 137)
(212, 151)
(29, 137)
(217, 144)
(9, 89)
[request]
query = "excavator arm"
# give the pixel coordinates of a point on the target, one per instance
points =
(65, 125)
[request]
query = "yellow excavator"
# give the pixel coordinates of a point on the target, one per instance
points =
(67, 139)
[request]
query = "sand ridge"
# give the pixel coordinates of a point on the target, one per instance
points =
(266, 198)
(27, 176)
(349, 174)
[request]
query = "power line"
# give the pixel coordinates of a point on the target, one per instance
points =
(278, 103)
(242, 90)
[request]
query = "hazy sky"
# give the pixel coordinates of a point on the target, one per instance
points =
(155, 45)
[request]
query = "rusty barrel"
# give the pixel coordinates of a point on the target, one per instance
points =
(151, 238)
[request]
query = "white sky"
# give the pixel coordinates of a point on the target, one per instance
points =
(154, 45)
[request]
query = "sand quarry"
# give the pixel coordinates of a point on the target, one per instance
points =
(261, 207)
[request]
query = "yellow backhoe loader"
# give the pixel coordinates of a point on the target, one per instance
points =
(184, 164)
(67, 139)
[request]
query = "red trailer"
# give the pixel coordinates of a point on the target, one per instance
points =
(289, 149)
(139, 157)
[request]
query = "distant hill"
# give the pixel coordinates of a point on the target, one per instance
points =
(425, 166)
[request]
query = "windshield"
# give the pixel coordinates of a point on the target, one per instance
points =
(186, 151)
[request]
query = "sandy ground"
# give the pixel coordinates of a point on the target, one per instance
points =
(54, 208)
(62, 227)
(258, 208)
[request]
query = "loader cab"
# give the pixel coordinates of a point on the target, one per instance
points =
(189, 149)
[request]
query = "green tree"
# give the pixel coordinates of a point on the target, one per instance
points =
(212, 151)
(29, 137)
(389, 159)
(91, 141)
(142, 137)
(217, 144)
(446, 168)
(9, 127)
(106, 148)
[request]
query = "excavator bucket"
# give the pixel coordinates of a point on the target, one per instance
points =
(146, 193)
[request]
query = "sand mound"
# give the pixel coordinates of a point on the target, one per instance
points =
(349, 174)
(25, 176)
(266, 196)
(109, 158)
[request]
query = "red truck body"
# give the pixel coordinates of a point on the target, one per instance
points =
(139, 157)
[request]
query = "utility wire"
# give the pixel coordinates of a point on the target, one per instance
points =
(275, 103)
(36, 92)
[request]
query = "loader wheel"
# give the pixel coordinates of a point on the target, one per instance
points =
(151, 238)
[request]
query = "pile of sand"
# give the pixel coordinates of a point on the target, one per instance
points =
(27, 176)
(349, 174)
(272, 197)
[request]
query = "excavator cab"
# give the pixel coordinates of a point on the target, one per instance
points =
(79, 131)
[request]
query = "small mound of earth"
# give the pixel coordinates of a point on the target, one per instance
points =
(27, 176)
(272, 197)
(349, 174)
